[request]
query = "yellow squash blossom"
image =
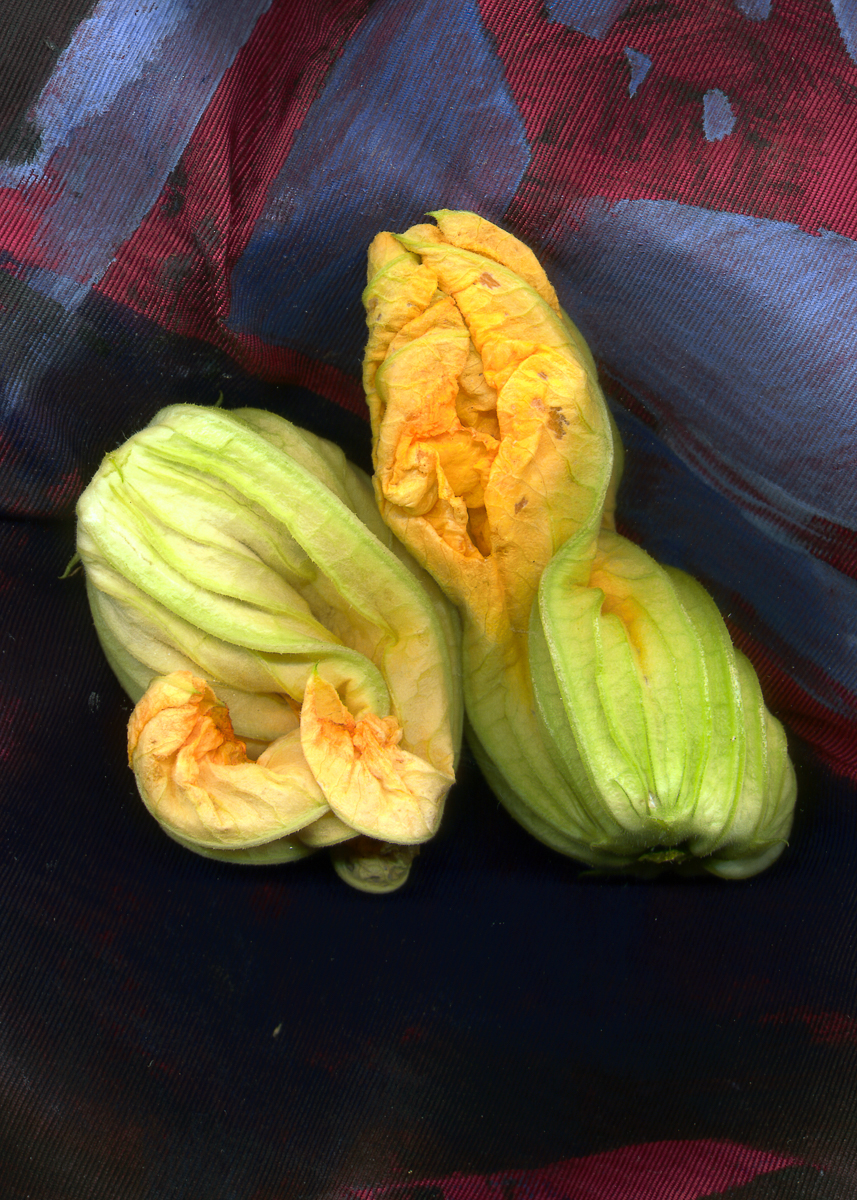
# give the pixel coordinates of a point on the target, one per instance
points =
(296, 673)
(606, 704)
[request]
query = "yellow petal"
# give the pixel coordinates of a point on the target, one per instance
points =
(328, 830)
(194, 776)
(399, 289)
(469, 231)
(370, 781)
(495, 445)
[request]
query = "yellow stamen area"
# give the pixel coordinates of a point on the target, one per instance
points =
(491, 439)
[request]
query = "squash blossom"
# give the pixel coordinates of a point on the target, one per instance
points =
(606, 704)
(295, 673)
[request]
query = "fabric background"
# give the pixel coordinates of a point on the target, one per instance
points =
(187, 190)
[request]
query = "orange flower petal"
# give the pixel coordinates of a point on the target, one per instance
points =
(194, 776)
(371, 782)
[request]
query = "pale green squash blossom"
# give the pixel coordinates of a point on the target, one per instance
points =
(296, 674)
(606, 703)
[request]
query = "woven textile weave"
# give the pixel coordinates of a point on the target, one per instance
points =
(187, 192)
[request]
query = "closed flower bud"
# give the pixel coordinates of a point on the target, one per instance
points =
(606, 704)
(296, 674)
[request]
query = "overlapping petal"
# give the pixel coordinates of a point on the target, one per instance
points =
(606, 703)
(297, 674)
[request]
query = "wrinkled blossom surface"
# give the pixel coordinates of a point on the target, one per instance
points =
(606, 703)
(296, 673)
